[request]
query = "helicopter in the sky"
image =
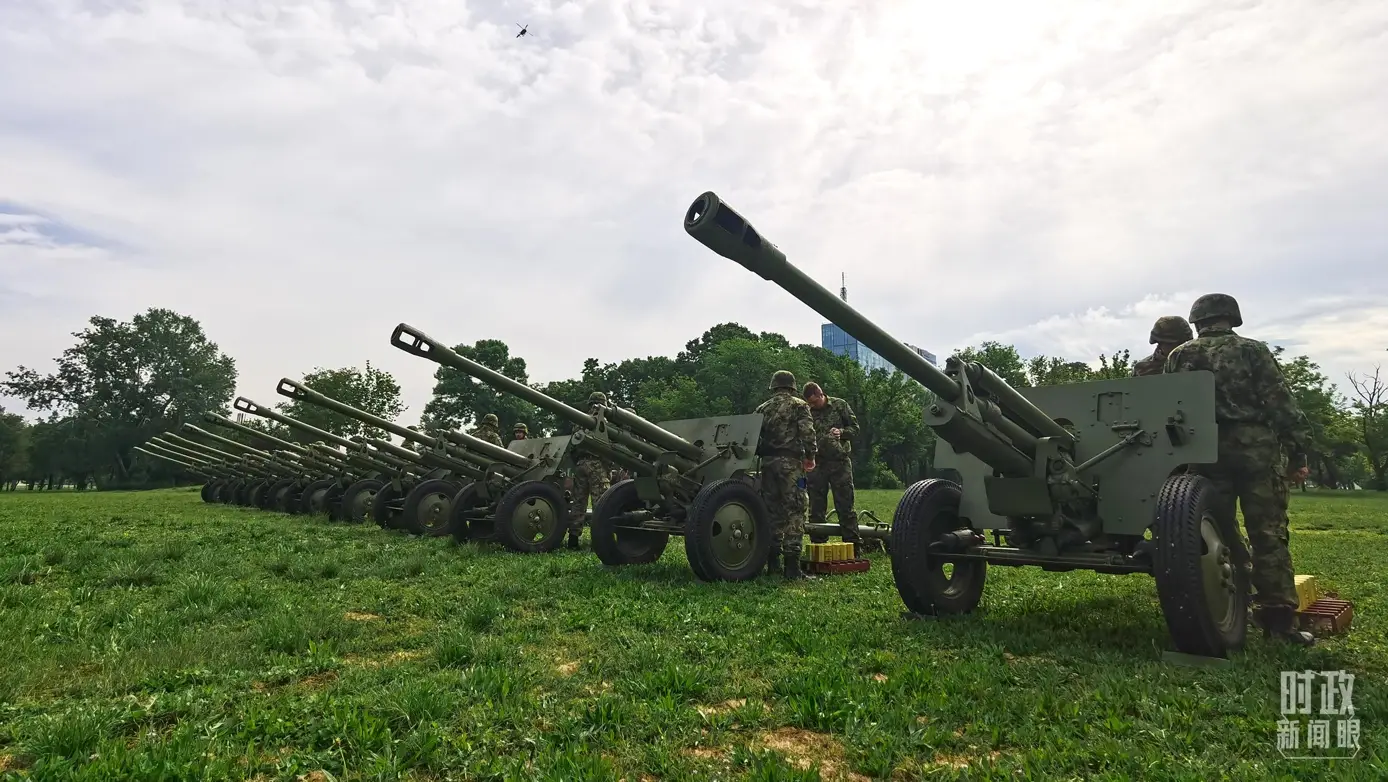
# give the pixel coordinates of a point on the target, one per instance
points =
(525, 28)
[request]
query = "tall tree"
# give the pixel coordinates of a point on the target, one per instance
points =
(1370, 408)
(370, 390)
(1333, 443)
(460, 401)
(14, 449)
(123, 382)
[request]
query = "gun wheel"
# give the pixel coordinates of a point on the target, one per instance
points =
(472, 516)
(355, 505)
(279, 496)
(728, 532)
(257, 496)
(1203, 593)
(207, 491)
(532, 517)
(616, 544)
(428, 508)
(227, 492)
(385, 508)
(241, 494)
(927, 584)
(314, 499)
(332, 501)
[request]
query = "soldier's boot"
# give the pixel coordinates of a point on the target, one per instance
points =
(773, 561)
(793, 571)
(1279, 624)
(573, 538)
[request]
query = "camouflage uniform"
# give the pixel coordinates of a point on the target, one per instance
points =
(488, 430)
(834, 468)
(1168, 332)
(1257, 418)
(787, 441)
(520, 432)
(591, 478)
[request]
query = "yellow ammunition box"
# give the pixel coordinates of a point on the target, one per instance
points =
(1307, 591)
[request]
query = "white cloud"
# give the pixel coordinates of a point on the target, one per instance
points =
(301, 176)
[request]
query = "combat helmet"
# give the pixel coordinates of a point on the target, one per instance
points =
(490, 419)
(597, 398)
(1216, 305)
(521, 427)
(782, 379)
(1169, 329)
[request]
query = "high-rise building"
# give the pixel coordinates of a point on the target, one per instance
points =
(835, 340)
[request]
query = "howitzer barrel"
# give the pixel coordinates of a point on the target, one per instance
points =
(222, 420)
(302, 393)
(218, 438)
(247, 406)
(715, 225)
(179, 462)
(167, 452)
(415, 342)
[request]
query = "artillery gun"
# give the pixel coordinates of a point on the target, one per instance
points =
(691, 476)
(198, 468)
(467, 481)
(231, 471)
(1084, 476)
(305, 465)
(351, 489)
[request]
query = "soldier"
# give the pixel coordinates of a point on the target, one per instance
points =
(787, 448)
(520, 431)
(835, 425)
(591, 477)
(1168, 332)
(488, 430)
(1257, 418)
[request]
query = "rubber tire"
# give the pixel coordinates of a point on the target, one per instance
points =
(364, 486)
(242, 496)
(465, 529)
(256, 497)
(409, 516)
(511, 502)
(1177, 546)
(711, 497)
(280, 494)
(207, 491)
(228, 492)
(306, 499)
(922, 516)
(380, 512)
(615, 545)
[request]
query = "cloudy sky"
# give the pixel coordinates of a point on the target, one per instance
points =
(303, 175)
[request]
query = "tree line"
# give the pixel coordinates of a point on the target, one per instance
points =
(123, 382)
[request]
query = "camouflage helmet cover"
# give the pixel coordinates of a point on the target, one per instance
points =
(520, 427)
(1216, 305)
(490, 419)
(1170, 328)
(782, 379)
(597, 398)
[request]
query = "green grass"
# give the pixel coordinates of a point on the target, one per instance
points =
(149, 636)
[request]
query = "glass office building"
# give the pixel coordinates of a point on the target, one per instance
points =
(836, 340)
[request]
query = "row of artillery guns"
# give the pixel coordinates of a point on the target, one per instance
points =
(691, 478)
(1088, 476)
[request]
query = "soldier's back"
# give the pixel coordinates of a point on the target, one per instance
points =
(1239, 365)
(779, 416)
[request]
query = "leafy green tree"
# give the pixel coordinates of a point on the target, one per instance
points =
(14, 449)
(370, 390)
(123, 382)
(460, 400)
(1334, 443)
(1004, 360)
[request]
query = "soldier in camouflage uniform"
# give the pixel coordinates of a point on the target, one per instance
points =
(1257, 418)
(835, 426)
(787, 449)
(591, 477)
(1168, 332)
(488, 430)
(520, 431)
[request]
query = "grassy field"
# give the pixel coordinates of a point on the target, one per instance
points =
(150, 636)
